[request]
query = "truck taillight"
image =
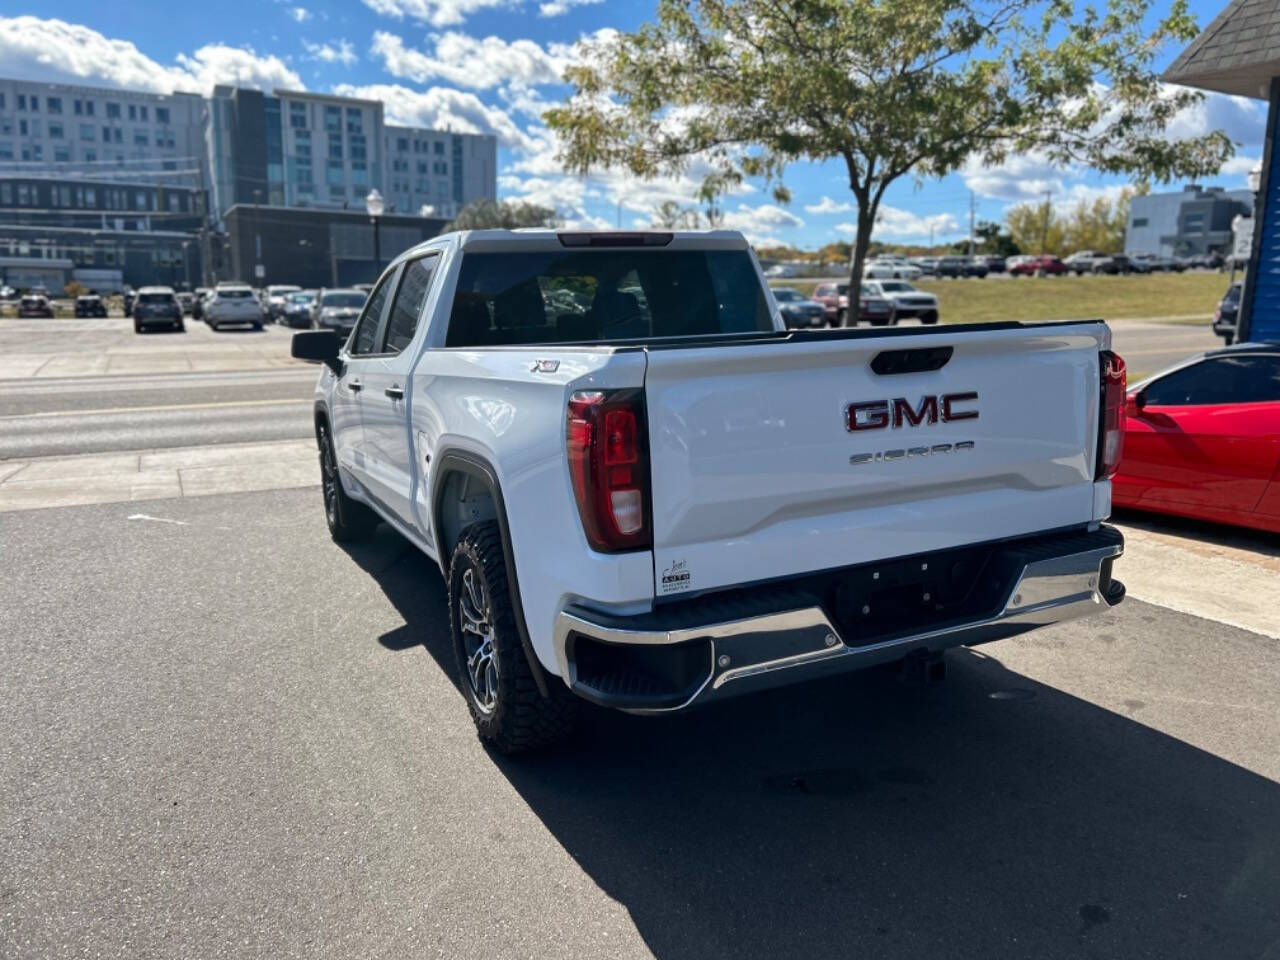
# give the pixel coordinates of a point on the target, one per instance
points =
(1112, 409)
(608, 464)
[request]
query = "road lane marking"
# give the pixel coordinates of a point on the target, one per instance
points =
(160, 409)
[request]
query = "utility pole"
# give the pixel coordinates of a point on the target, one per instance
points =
(1044, 233)
(971, 223)
(931, 236)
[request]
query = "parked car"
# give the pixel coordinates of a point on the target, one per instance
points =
(90, 305)
(928, 265)
(156, 306)
(232, 304)
(663, 519)
(875, 309)
(35, 305)
(338, 309)
(1041, 266)
(1091, 261)
(883, 268)
(834, 298)
(186, 301)
(1202, 439)
(996, 264)
(798, 311)
(128, 296)
(297, 309)
(1207, 261)
(274, 296)
(1225, 317)
(908, 301)
(1155, 263)
(7, 293)
(956, 267)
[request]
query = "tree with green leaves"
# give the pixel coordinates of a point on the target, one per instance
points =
(1097, 224)
(734, 89)
(505, 214)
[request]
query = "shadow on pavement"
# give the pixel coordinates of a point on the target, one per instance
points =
(991, 816)
(1215, 534)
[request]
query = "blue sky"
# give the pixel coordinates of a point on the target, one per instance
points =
(491, 66)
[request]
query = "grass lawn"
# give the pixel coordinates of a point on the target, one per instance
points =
(1072, 298)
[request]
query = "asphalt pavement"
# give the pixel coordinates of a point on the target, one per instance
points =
(224, 736)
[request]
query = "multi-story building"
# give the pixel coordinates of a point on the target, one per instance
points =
(95, 130)
(104, 234)
(293, 149)
(242, 147)
(438, 170)
(1195, 220)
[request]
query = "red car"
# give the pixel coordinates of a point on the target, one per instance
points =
(1038, 267)
(872, 307)
(1203, 439)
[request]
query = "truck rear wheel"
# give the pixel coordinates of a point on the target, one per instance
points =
(347, 519)
(509, 712)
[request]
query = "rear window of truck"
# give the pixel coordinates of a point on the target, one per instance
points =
(578, 296)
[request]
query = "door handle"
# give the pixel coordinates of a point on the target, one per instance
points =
(395, 392)
(355, 386)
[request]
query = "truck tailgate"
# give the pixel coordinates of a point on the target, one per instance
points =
(757, 474)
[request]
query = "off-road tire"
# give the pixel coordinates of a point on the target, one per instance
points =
(347, 519)
(519, 718)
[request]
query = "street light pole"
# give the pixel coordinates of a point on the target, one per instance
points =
(374, 205)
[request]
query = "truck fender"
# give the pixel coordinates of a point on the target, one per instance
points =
(478, 470)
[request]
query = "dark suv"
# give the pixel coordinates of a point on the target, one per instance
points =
(1224, 318)
(157, 306)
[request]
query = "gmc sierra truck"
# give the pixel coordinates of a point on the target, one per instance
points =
(645, 492)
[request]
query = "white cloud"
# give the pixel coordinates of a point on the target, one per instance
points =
(759, 224)
(472, 62)
(37, 49)
(438, 13)
(442, 108)
(1241, 119)
(827, 205)
(339, 51)
(300, 14)
(898, 224)
(555, 8)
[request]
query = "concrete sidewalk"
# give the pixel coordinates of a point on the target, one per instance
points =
(156, 474)
(159, 359)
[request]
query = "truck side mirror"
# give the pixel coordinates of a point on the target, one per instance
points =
(318, 345)
(1137, 401)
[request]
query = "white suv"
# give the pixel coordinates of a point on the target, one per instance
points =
(232, 303)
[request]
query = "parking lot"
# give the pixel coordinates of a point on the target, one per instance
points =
(223, 735)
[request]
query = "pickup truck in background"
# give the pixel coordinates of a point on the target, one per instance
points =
(644, 492)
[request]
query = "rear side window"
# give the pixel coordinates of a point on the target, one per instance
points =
(366, 332)
(1241, 379)
(407, 306)
(581, 296)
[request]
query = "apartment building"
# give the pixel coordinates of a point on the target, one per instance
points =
(438, 170)
(93, 130)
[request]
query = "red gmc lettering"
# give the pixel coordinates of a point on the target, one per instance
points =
(872, 415)
(899, 412)
(949, 415)
(928, 412)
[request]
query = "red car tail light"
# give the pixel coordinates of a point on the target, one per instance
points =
(1112, 409)
(608, 464)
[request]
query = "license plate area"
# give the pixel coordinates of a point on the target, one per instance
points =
(877, 601)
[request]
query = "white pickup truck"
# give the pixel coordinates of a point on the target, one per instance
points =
(644, 492)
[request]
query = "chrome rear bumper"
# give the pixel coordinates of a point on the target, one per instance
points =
(659, 667)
